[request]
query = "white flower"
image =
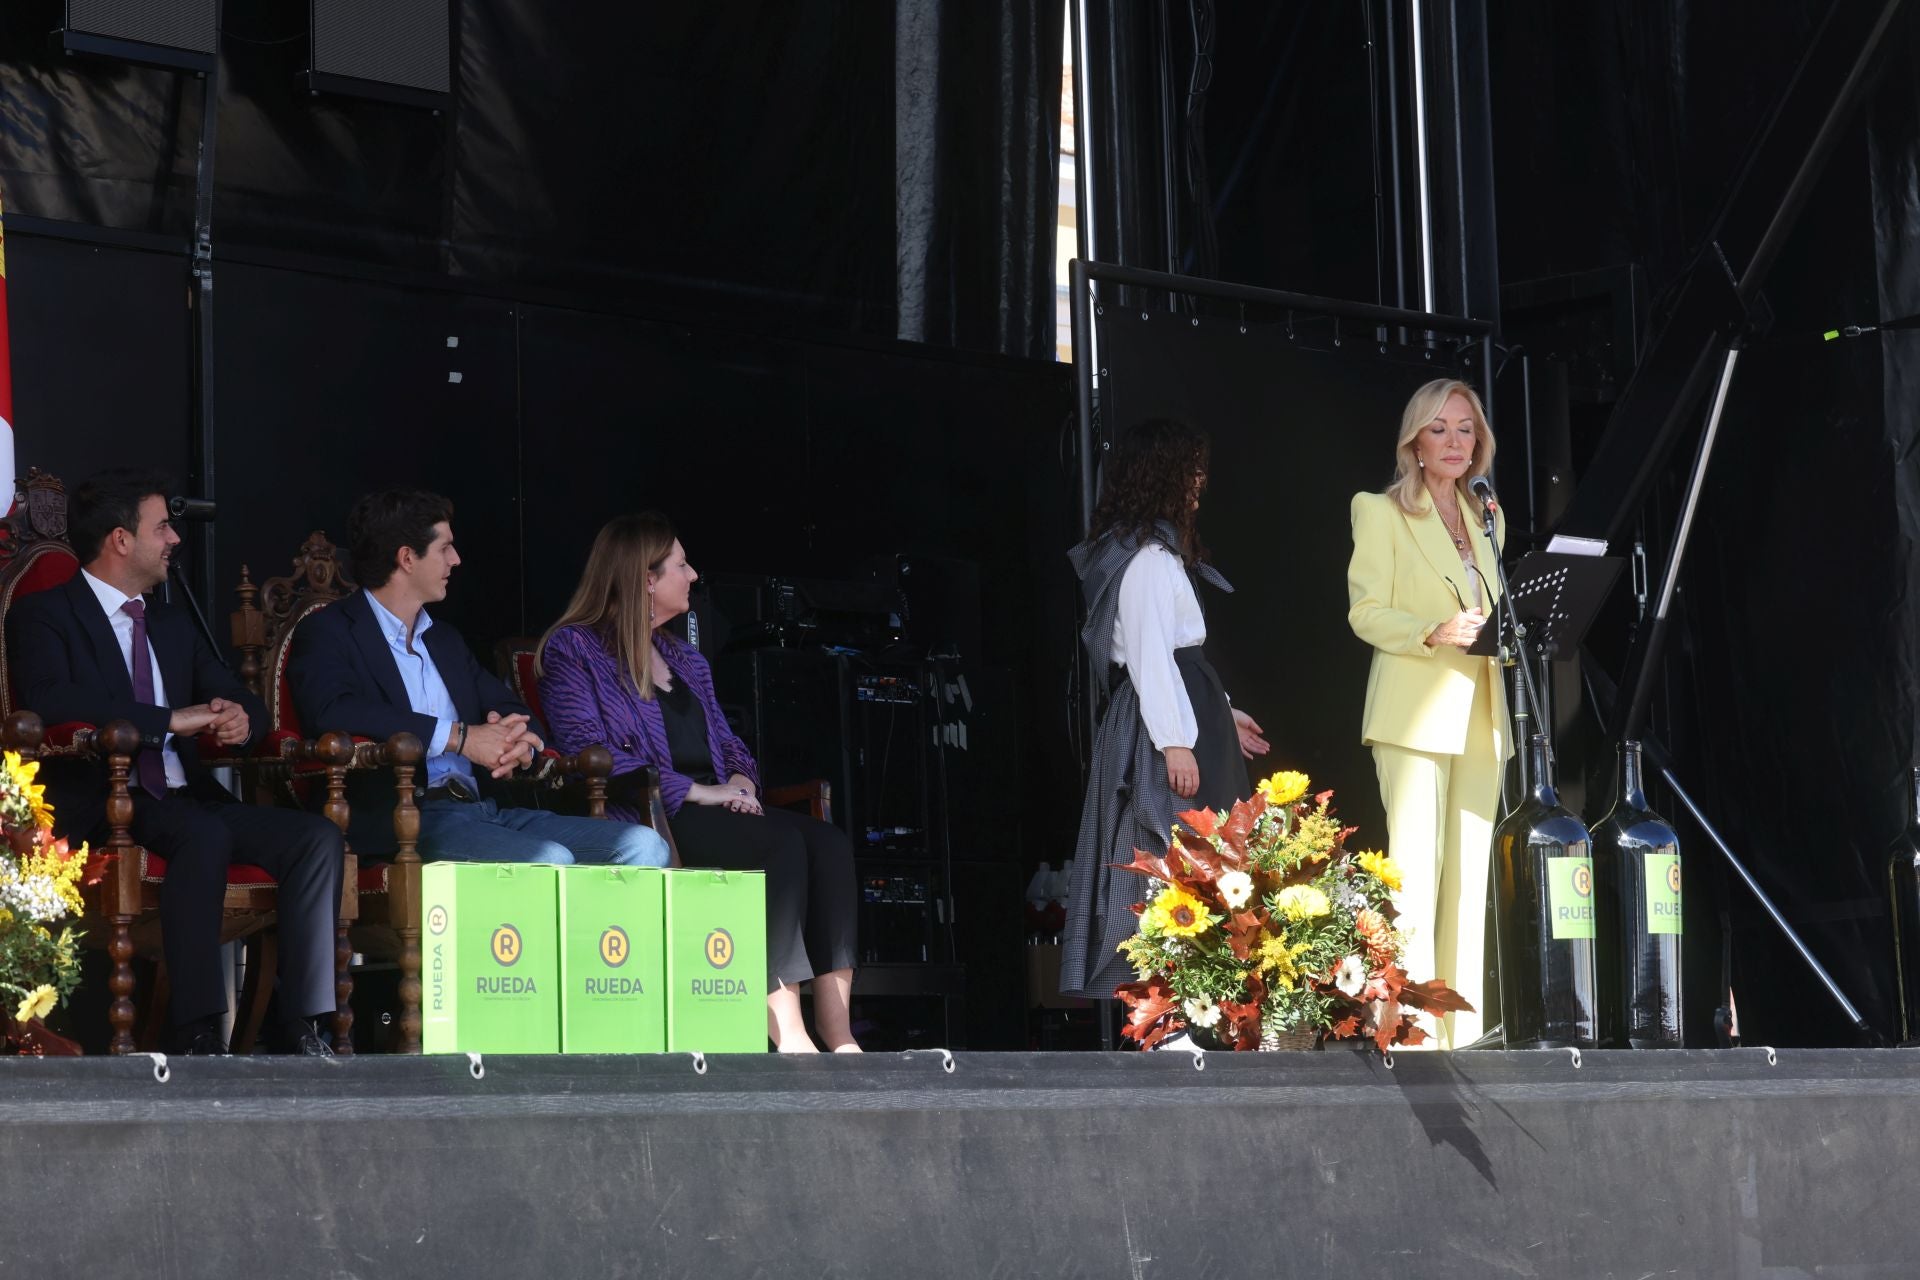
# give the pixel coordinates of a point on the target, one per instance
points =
(1236, 887)
(1351, 976)
(1202, 1013)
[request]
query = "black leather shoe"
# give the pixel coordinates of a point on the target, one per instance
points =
(197, 1042)
(306, 1042)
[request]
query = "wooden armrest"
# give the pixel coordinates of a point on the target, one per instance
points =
(23, 732)
(816, 794)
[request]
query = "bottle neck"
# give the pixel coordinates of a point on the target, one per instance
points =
(1632, 792)
(1542, 771)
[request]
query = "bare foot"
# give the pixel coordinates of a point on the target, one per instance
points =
(848, 1048)
(803, 1045)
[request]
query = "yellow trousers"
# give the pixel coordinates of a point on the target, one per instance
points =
(1440, 818)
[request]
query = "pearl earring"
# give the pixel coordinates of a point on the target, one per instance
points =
(1423, 464)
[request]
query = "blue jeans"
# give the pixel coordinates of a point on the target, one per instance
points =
(482, 831)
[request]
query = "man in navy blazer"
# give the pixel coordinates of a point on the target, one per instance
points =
(377, 664)
(94, 649)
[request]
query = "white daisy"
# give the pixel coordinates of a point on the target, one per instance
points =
(1351, 976)
(1236, 888)
(1202, 1013)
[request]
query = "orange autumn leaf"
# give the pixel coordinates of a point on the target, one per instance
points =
(1345, 1027)
(1199, 821)
(1243, 932)
(1435, 997)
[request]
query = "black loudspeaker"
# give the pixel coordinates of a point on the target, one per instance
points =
(394, 50)
(165, 33)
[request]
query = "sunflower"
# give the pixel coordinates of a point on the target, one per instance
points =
(21, 775)
(1283, 788)
(1177, 913)
(1382, 868)
(1301, 902)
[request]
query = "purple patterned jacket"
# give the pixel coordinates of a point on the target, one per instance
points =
(588, 698)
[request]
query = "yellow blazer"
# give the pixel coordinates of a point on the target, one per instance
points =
(1419, 695)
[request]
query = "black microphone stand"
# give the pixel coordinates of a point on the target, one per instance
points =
(180, 579)
(1519, 629)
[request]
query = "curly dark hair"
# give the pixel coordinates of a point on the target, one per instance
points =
(1149, 477)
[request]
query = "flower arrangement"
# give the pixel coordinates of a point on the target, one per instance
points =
(1265, 924)
(39, 887)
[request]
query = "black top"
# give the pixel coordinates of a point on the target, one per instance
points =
(686, 725)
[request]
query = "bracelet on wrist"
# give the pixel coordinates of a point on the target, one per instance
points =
(462, 747)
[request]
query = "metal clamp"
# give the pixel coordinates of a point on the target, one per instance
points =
(161, 1071)
(1574, 1049)
(699, 1063)
(946, 1057)
(1199, 1057)
(1773, 1059)
(475, 1067)
(1386, 1058)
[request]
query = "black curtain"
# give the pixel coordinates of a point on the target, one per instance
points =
(1790, 689)
(976, 144)
(884, 170)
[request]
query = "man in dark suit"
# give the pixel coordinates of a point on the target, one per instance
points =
(94, 649)
(377, 664)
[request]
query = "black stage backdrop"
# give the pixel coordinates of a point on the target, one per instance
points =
(836, 164)
(1297, 430)
(1792, 684)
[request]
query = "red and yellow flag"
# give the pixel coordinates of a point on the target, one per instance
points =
(6, 382)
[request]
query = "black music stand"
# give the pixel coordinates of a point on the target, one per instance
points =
(1551, 600)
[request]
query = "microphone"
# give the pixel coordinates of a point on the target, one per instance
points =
(1482, 488)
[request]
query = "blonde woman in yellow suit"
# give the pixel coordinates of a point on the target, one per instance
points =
(1421, 584)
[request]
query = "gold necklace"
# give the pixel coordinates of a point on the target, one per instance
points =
(1458, 535)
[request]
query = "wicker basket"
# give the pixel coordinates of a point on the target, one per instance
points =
(1272, 1041)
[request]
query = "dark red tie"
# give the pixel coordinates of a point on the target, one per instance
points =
(149, 770)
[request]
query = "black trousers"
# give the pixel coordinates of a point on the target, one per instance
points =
(810, 888)
(304, 853)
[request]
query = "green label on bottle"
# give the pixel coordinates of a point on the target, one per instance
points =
(1570, 897)
(1663, 893)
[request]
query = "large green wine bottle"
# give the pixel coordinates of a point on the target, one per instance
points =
(1545, 900)
(1636, 867)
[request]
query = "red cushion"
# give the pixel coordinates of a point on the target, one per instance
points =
(52, 565)
(527, 682)
(153, 869)
(45, 564)
(373, 876)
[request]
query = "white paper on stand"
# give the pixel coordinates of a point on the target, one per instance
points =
(1567, 545)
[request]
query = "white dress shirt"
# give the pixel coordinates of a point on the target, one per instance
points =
(1159, 613)
(111, 598)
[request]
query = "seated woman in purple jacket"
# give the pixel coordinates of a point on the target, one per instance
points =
(609, 674)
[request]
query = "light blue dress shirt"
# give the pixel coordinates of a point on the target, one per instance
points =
(426, 693)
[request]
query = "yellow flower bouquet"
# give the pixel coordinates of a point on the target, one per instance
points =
(1262, 924)
(39, 888)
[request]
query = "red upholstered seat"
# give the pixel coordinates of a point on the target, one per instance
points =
(153, 869)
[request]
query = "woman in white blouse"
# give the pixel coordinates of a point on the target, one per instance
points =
(1169, 740)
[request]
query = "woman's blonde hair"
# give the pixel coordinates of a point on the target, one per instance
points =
(1408, 489)
(612, 598)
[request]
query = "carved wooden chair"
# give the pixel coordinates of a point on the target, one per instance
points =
(122, 888)
(388, 889)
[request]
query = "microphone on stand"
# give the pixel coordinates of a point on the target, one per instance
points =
(1482, 488)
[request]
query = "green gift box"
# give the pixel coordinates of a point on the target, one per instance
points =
(716, 961)
(612, 960)
(490, 958)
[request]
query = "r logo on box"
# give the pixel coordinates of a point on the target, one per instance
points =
(719, 948)
(437, 920)
(506, 944)
(614, 946)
